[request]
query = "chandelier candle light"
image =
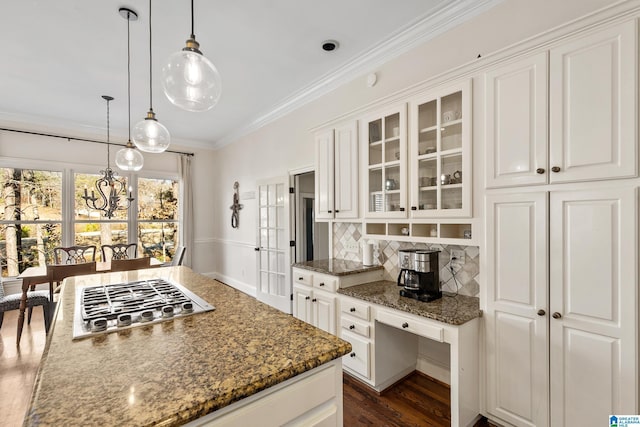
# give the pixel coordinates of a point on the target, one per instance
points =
(128, 158)
(109, 187)
(149, 135)
(190, 80)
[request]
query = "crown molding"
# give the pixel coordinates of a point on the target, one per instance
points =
(425, 28)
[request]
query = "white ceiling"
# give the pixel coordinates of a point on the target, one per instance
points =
(59, 57)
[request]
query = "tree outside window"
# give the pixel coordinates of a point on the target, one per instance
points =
(157, 217)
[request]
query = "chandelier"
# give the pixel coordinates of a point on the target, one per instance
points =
(110, 189)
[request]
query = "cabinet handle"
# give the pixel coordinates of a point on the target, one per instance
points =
(401, 209)
(555, 169)
(337, 211)
(256, 249)
(314, 300)
(405, 325)
(413, 208)
(300, 278)
(353, 354)
(541, 312)
(329, 211)
(352, 326)
(352, 309)
(322, 284)
(307, 297)
(556, 315)
(540, 171)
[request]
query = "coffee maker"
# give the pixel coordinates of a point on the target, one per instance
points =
(419, 274)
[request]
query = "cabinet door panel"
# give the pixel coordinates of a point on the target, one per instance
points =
(516, 335)
(324, 176)
(516, 123)
(593, 290)
(592, 106)
(324, 312)
(346, 171)
(302, 303)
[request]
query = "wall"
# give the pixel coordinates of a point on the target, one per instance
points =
(287, 144)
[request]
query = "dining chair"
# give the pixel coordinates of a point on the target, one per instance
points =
(178, 256)
(119, 251)
(74, 254)
(58, 272)
(31, 299)
(130, 264)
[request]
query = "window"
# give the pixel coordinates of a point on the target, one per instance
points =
(158, 217)
(32, 221)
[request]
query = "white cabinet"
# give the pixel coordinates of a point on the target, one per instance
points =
(336, 178)
(315, 307)
(440, 152)
(586, 106)
(384, 155)
(356, 324)
(561, 324)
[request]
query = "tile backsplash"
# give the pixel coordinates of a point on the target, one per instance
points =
(386, 254)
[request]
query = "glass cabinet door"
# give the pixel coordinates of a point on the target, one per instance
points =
(440, 153)
(385, 137)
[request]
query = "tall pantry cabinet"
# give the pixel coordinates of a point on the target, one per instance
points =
(561, 216)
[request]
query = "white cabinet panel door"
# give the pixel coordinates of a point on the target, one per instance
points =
(593, 299)
(346, 171)
(593, 90)
(324, 312)
(516, 123)
(324, 175)
(516, 319)
(302, 303)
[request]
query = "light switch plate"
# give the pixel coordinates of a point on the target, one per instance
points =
(456, 259)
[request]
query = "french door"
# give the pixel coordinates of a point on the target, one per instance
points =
(273, 250)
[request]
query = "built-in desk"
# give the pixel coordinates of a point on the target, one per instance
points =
(371, 318)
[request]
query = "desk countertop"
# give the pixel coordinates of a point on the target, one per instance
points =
(336, 267)
(171, 372)
(451, 308)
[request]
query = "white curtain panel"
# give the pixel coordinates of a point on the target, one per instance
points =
(186, 229)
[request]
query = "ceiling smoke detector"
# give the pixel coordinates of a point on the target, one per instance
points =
(330, 45)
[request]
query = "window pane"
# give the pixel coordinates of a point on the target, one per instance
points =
(27, 245)
(30, 195)
(85, 182)
(101, 233)
(158, 240)
(157, 198)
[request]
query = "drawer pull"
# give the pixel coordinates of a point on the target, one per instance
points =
(352, 326)
(541, 312)
(352, 309)
(300, 278)
(314, 300)
(353, 354)
(307, 297)
(321, 283)
(405, 325)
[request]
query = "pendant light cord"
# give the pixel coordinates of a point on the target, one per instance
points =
(150, 62)
(193, 36)
(108, 139)
(129, 71)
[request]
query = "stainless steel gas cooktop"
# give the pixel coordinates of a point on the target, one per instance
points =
(113, 307)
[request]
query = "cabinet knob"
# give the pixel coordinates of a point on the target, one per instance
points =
(352, 326)
(401, 209)
(353, 354)
(314, 300)
(352, 309)
(337, 211)
(555, 169)
(405, 325)
(322, 284)
(556, 315)
(300, 278)
(540, 171)
(329, 211)
(256, 249)
(307, 297)
(413, 208)
(541, 312)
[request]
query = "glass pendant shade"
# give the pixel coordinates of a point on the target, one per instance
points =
(150, 136)
(191, 81)
(129, 159)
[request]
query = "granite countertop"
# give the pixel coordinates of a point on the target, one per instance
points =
(336, 267)
(171, 372)
(451, 308)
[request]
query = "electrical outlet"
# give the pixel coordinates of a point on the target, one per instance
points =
(456, 259)
(352, 246)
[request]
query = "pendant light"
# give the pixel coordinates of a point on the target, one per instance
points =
(128, 158)
(149, 135)
(190, 80)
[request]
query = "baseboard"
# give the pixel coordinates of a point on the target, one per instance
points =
(434, 369)
(236, 284)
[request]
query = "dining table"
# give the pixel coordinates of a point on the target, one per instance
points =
(33, 276)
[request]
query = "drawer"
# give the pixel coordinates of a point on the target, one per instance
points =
(326, 283)
(348, 324)
(306, 278)
(411, 324)
(358, 359)
(353, 308)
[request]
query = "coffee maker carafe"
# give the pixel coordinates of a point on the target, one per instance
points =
(419, 274)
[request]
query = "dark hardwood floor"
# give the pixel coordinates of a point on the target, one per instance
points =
(416, 401)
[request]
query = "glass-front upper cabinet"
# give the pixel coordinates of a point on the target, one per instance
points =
(440, 152)
(384, 142)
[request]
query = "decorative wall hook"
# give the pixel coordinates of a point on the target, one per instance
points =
(236, 206)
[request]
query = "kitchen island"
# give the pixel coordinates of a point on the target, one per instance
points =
(170, 373)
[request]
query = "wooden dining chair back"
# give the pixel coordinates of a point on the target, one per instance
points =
(74, 254)
(119, 251)
(130, 264)
(58, 272)
(30, 299)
